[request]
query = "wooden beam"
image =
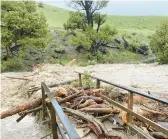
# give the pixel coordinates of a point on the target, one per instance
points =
(130, 106)
(140, 117)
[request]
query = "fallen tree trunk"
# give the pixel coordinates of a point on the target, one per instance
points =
(94, 91)
(87, 103)
(100, 110)
(159, 135)
(152, 111)
(102, 131)
(33, 104)
(99, 106)
(70, 97)
(30, 111)
(32, 89)
(15, 110)
(18, 78)
(105, 117)
(85, 117)
(96, 99)
(24, 113)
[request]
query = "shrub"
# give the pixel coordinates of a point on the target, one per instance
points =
(86, 81)
(89, 62)
(159, 42)
(13, 64)
(40, 5)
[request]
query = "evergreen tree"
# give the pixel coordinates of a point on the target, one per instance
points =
(159, 42)
(22, 26)
(82, 26)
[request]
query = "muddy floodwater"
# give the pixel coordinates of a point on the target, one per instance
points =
(147, 77)
(28, 128)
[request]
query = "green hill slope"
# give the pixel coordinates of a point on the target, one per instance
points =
(56, 17)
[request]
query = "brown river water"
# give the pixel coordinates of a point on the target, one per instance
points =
(147, 77)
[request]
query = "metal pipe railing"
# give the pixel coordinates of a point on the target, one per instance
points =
(142, 93)
(56, 110)
(129, 109)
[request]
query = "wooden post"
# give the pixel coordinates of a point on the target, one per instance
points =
(80, 79)
(53, 123)
(44, 108)
(97, 83)
(130, 106)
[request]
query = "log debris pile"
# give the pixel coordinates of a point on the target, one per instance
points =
(82, 104)
(88, 109)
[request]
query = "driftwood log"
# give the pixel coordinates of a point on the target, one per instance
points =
(96, 99)
(18, 78)
(88, 118)
(158, 135)
(102, 131)
(100, 110)
(24, 113)
(87, 103)
(153, 111)
(30, 105)
(98, 106)
(33, 104)
(33, 89)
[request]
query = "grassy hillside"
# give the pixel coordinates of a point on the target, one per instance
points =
(56, 17)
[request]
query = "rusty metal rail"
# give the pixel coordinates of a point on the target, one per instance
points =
(129, 109)
(56, 110)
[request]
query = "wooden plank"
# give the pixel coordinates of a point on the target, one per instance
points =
(130, 106)
(97, 83)
(141, 118)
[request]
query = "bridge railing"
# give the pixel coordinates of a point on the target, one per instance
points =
(129, 108)
(56, 110)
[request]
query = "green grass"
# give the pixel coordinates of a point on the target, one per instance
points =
(146, 25)
(138, 22)
(55, 16)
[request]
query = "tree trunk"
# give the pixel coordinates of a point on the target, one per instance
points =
(29, 105)
(100, 110)
(9, 52)
(88, 13)
(34, 104)
(98, 26)
(89, 18)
